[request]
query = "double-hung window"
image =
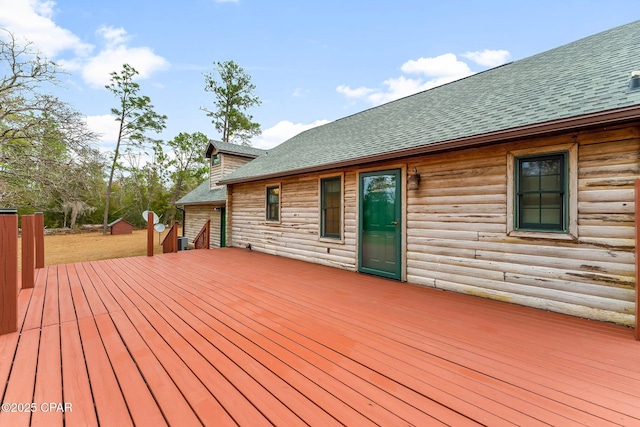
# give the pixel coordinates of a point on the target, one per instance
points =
(273, 203)
(330, 207)
(541, 193)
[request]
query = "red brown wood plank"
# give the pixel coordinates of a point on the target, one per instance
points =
(33, 317)
(568, 400)
(228, 359)
(336, 308)
(277, 357)
(49, 380)
(155, 357)
(75, 380)
(50, 311)
(107, 396)
(19, 393)
(141, 403)
(87, 277)
(65, 300)
(8, 347)
(80, 303)
(182, 353)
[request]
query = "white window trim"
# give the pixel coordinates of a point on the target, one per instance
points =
(572, 233)
(331, 239)
(266, 207)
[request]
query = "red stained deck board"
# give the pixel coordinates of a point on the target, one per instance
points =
(87, 277)
(230, 398)
(75, 379)
(21, 381)
(50, 311)
(531, 401)
(236, 337)
(80, 303)
(172, 405)
(334, 336)
(107, 396)
(33, 318)
(48, 380)
(228, 348)
(188, 375)
(344, 311)
(264, 343)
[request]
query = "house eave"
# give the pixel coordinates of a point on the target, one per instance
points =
(599, 119)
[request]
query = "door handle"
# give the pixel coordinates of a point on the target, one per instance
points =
(394, 222)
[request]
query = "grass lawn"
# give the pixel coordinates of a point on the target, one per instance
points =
(68, 248)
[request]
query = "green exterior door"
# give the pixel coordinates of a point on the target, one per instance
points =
(379, 224)
(223, 227)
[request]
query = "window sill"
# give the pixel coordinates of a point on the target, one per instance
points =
(338, 240)
(543, 235)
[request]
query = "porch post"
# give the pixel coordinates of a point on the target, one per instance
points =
(150, 233)
(8, 271)
(174, 238)
(637, 218)
(28, 251)
(39, 230)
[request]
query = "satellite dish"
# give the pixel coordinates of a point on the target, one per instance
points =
(145, 215)
(159, 227)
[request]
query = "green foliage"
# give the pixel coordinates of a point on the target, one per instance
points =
(187, 167)
(46, 157)
(136, 117)
(234, 95)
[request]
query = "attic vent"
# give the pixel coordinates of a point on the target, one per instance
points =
(634, 83)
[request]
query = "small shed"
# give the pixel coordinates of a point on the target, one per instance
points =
(121, 226)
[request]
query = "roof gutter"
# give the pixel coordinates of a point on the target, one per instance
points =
(610, 117)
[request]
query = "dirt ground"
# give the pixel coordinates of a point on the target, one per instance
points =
(69, 248)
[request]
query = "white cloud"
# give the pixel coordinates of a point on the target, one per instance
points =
(431, 72)
(444, 66)
(281, 132)
(106, 127)
(300, 93)
(487, 57)
(32, 20)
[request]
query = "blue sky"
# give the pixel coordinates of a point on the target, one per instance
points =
(311, 62)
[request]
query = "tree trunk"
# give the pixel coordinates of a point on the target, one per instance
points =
(105, 220)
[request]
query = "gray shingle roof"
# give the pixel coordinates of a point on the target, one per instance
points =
(202, 194)
(229, 148)
(587, 76)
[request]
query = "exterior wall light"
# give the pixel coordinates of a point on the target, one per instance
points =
(413, 180)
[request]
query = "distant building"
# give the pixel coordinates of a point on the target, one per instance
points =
(121, 226)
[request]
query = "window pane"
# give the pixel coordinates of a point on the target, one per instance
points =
(551, 216)
(330, 200)
(273, 203)
(541, 199)
(550, 183)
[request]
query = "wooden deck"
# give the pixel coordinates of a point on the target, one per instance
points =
(230, 337)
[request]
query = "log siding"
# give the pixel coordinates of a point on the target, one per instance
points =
(197, 216)
(456, 235)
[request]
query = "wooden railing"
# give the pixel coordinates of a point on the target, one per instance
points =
(32, 257)
(170, 242)
(202, 239)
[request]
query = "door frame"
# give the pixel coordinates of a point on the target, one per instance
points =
(401, 244)
(223, 227)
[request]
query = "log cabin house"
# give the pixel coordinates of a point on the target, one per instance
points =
(515, 184)
(207, 202)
